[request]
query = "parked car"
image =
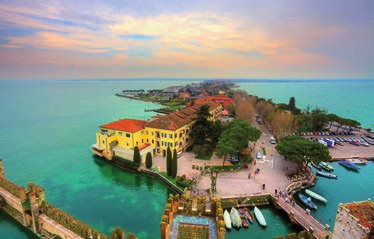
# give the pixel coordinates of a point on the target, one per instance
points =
(189, 149)
(258, 155)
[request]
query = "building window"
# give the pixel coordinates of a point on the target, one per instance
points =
(142, 132)
(175, 135)
(119, 133)
(163, 143)
(170, 145)
(103, 142)
(147, 141)
(142, 141)
(170, 136)
(153, 141)
(175, 144)
(128, 135)
(127, 144)
(136, 143)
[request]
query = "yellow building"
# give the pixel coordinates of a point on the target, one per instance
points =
(172, 130)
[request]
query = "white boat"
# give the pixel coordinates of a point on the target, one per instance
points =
(316, 196)
(226, 217)
(260, 217)
(235, 218)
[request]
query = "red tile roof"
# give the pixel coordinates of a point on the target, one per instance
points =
(128, 125)
(216, 98)
(178, 119)
(363, 211)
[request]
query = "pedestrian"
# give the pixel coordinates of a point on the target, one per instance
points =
(255, 162)
(249, 175)
(276, 191)
(263, 186)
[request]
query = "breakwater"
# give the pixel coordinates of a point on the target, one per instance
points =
(30, 208)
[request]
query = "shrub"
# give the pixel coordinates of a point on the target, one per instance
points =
(174, 164)
(168, 162)
(137, 158)
(148, 160)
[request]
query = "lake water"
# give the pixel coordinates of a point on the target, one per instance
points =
(48, 127)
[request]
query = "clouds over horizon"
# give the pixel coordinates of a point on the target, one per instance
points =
(170, 40)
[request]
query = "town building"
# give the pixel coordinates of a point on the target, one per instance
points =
(222, 99)
(121, 137)
(355, 220)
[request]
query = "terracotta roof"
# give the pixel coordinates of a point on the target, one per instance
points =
(363, 211)
(216, 98)
(178, 119)
(128, 125)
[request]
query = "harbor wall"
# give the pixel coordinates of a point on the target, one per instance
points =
(55, 228)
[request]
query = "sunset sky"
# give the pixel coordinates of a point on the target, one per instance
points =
(44, 39)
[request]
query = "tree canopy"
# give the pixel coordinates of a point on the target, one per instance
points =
(235, 137)
(302, 151)
(204, 131)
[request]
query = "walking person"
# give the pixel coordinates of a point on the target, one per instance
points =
(263, 186)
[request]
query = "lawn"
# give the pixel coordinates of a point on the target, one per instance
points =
(208, 156)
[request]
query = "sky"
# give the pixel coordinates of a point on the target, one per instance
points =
(66, 39)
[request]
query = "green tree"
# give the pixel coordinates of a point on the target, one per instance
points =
(202, 126)
(137, 158)
(302, 151)
(319, 120)
(148, 160)
(215, 132)
(235, 138)
(175, 164)
(169, 162)
(291, 104)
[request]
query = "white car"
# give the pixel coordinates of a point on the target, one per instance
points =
(258, 155)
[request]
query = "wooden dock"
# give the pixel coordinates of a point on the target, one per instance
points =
(302, 217)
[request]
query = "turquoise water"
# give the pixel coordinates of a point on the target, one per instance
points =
(347, 98)
(47, 128)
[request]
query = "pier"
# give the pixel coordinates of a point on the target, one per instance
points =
(302, 217)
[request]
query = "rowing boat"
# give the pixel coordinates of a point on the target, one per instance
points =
(326, 166)
(307, 201)
(315, 165)
(327, 175)
(260, 217)
(226, 217)
(248, 214)
(316, 196)
(244, 219)
(235, 218)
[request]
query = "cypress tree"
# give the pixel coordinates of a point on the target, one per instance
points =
(168, 162)
(148, 160)
(137, 155)
(175, 164)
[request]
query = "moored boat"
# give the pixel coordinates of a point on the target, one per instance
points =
(307, 201)
(244, 219)
(315, 165)
(260, 217)
(227, 219)
(357, 161)
(235, 218)
(248, 214)
(327, 175)
(316, 196)
(349, 165)
(326, 166)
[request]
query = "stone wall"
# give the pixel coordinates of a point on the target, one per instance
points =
(12, 200)
(46, 223)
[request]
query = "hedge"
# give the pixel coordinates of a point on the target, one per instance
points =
(226, 167)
